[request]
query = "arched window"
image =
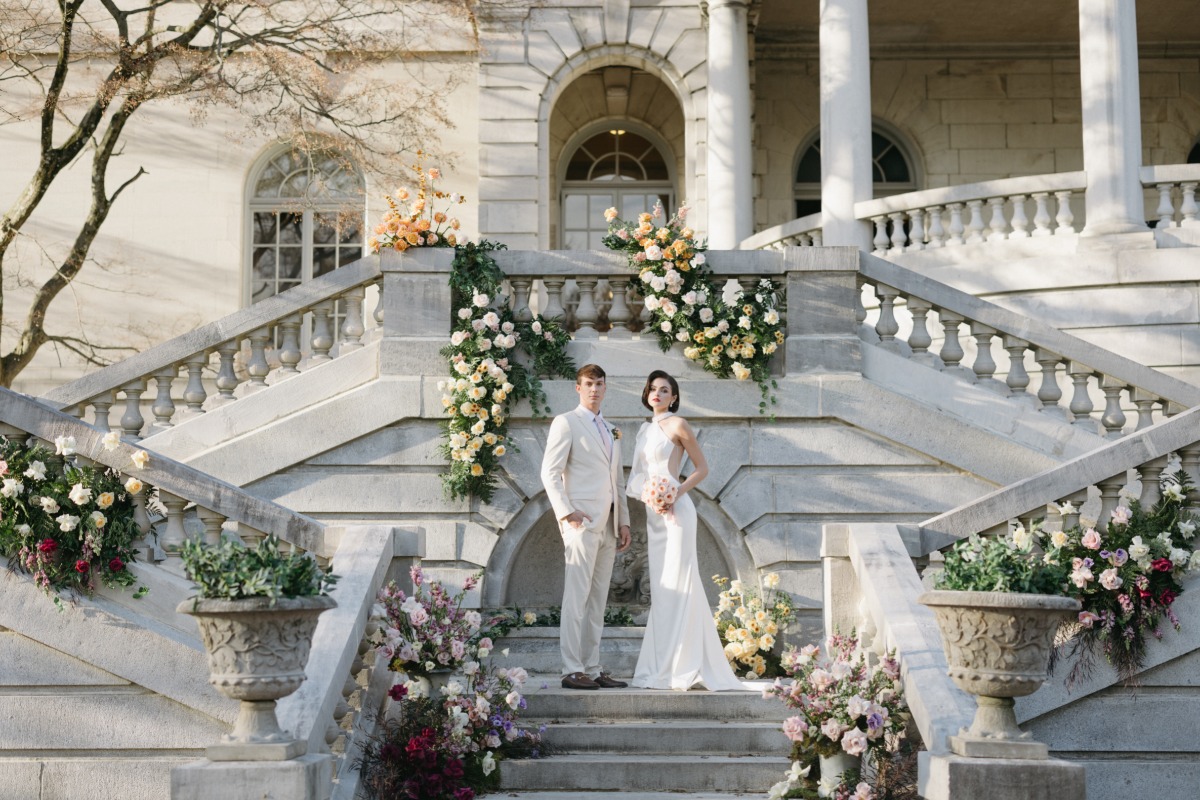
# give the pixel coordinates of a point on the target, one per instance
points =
(892, 168)
(306, 215)
(613, 168)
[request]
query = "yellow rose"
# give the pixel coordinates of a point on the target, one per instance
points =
(499, 451)
(476, 470)
(105, 499)
(133, 486)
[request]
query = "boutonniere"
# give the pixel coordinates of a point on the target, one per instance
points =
(616, 434)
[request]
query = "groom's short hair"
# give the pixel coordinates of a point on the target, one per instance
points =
(592, 371)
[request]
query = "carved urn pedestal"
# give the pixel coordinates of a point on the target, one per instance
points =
(998, 647)
(256, 654)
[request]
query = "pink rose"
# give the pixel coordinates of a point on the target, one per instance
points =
(1091, 539)
(854, 742)
(795, 728)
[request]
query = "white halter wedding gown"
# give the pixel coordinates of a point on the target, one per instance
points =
(681, 647)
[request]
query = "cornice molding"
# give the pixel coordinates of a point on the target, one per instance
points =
(807, 49)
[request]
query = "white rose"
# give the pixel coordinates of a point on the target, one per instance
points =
(665, 326)
(80, 494)
(64, 445)
(12, 487)
(654, 253)
(706, 315)
(67, 523)
(480, 300)
(111, 440)
(36, 470)
(651, 303)
(140, 458)
(464, 313)
(48, 504)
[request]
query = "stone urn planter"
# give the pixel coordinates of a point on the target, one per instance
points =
(998, 647)
(256, 654)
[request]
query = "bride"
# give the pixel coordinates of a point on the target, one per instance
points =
(681, 647)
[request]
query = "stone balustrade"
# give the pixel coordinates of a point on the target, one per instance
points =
(1069, 373)
(1129, 467)
(236, 355)
(181, 488)
(1175, 185)
(800, 232)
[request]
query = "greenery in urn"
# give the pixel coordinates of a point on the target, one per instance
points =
(1000, 564)
(232, 571)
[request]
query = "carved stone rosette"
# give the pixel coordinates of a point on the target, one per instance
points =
(997, 645)
(256, 654)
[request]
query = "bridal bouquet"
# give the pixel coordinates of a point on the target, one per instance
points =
(660, 492)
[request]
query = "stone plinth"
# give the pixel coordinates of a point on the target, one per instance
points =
(309, 777)
(956, 778)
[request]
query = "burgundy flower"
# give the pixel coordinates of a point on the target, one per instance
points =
(416, 746)
(398, 692)
(433, 783)
(453, 768)
(1162, 564)
(390, 752)
(465, 793)
(116, 565)
(82, 567)
(1167, 597)
(47, 545)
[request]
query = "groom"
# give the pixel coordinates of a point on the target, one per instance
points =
(583, 476)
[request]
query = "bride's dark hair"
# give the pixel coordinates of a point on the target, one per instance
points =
(658, 373)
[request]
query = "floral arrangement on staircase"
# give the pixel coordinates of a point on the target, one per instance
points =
(443, 740)
(69, 524)
(1127, 577)
(730, 331)
(846, 709)
(496, 354)
(750, 626)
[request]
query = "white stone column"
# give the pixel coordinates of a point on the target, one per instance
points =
(846, 176)
(730, 178)
(1112, 119)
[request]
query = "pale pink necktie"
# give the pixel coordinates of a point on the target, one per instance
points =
(604, 437)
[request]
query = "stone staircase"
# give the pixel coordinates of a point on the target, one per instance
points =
(646, 741)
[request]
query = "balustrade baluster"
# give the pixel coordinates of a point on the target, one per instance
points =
(1041, 214)
(1065, 219)
(1110, 498)
(164, 404)
(585, 312)
(919, 340)
(249, 536)
(257, 367)
(952, 351)
(1189, 462)
(173, 532)
(521, 287)
(998, 225)
(322, 332)
(75, 411)
(1187, 208)
(1149, 474)
(194, 393)
(865, 332)
(554, 290)
(378, 315)
(352, 325)
(937, 234)
(899, 235)
(1049, 392)
(1017, 379)
(985, 365)
(619, 316)
(1113, 418)
(101, 404)
(289, 345)
(1020, 223)
(916, 236)
(213, 522)
(956, 223)
(886, 326)
(881, 235)
(1144, 403)
(1076, 500)
(227, 379)
(1166, 208)
(148, 550)
(132, 421)
(817, 238)
(1081, 400)
(975, 226)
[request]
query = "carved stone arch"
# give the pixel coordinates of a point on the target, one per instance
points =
(682, 87)
(526, 565)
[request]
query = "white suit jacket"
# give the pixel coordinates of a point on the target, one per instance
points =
(579, 475)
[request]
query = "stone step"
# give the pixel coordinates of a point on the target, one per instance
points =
(537, 649)
(547, 701)
(645, 773)
(674, 737)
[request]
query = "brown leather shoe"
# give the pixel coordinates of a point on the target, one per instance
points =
(605, 681)
(578, 680)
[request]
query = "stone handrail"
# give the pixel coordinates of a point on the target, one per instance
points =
(1017, 334)
(799, 232)
(178, 484)
(190, 353)
(888, 614)
(1173, 181)
(1146, 452)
